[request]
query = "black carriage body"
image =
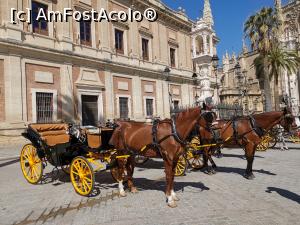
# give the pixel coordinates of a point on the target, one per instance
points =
(59, 154)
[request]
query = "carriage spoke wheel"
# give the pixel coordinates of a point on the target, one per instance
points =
(82, 176)
(272, 142)
(181, 166)
(31, 164)
(264, 144)
(295, 139)
(195, 160)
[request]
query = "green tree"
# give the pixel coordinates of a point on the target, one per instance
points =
(277, 60)
(261, 30)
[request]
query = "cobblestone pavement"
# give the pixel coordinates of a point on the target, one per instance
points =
(225, 198)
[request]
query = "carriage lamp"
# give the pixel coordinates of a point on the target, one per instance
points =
(215, 61)
(167, 73)
(195, 78)
(215, 64)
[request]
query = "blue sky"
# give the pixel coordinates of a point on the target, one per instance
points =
(229, 16)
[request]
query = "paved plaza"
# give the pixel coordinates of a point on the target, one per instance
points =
(225, 198)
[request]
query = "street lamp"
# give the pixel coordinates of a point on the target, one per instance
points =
(215, 63)
(196, 82)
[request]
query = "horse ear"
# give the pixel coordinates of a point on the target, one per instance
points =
(204, 106)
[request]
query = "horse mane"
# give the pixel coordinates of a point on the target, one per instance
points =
(181, 111)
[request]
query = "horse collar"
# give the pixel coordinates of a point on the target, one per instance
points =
(175, 133)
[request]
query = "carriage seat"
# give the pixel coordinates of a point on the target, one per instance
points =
(98, 137)
(52, 134)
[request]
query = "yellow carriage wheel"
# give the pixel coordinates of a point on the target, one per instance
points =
(181, 166)
(31, 164)
(195, 160)
(82, 176)
(295, 139)
(264, 144)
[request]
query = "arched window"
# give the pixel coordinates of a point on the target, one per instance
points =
(199, 45)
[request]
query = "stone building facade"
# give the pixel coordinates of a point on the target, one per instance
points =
(90, 72)
(253, 98)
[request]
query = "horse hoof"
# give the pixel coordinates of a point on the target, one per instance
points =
(214, 172)
(122, 194)
(172, 204)
(134, 190)
(249, 176)
(209, 172)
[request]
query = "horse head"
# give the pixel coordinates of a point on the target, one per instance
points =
(288, 121)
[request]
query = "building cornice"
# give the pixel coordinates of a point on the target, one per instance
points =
(9, 47)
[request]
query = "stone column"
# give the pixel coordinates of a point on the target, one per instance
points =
(159, 99)
(109, 95)
(104, 28)
(211, 45)
(67, 93)
(137, 111)
(205, 44)
(13, 89)
(185, 95)
(194, 46)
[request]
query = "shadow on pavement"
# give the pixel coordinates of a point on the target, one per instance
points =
(160, 185)
(239, 156)
(241, 171)
(284, 193)
(150, 164)
(9, 163)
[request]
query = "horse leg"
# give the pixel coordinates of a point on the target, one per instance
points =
(219, 153)
(249, 151)
(121, 171)
(130, 169)
(169, 179)
(173, 194)
(213, 164)
(206, 157)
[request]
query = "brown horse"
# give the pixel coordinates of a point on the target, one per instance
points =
(164, 139)
(245, 132)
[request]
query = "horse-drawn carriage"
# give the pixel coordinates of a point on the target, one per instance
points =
(79, 152)
(295, 137)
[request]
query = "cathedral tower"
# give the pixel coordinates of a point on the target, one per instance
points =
(204, 41)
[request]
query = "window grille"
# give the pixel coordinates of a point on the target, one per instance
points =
(44, 107)
(149, 107)
(123, 104)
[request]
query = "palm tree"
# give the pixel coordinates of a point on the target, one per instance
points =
(278, 59)
(261, 28)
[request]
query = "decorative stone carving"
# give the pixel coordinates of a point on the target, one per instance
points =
(89, 78)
